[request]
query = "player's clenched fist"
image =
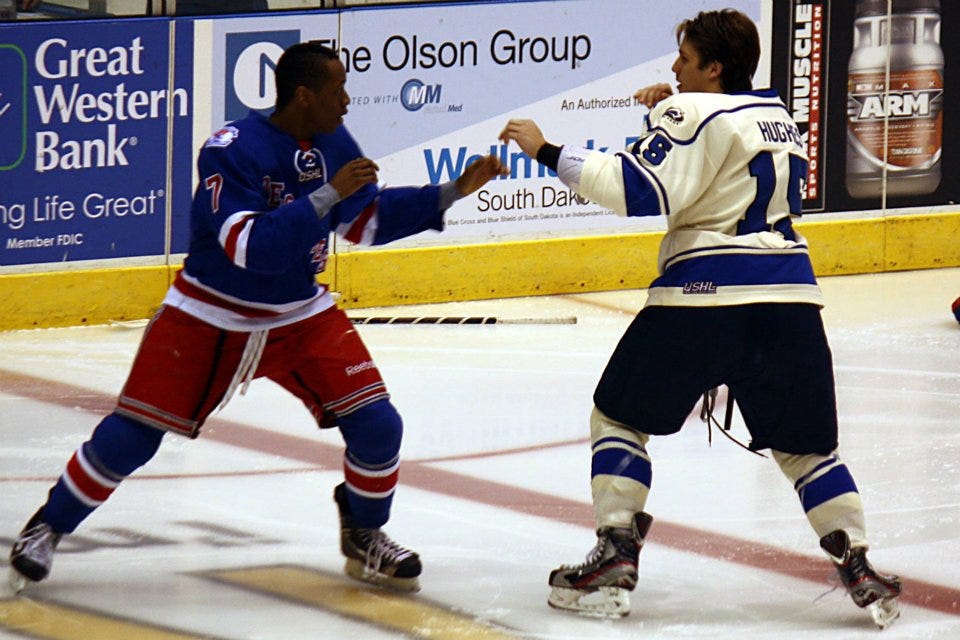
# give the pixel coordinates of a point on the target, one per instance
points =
(650, 96)
(354, 175)
(525, 133)
(479, 173)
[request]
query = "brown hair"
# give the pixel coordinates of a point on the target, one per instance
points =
(728, 37)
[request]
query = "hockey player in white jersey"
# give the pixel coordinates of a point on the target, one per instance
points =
(736, 303)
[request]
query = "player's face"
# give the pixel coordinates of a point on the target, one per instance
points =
(328, 103)
(690, 75)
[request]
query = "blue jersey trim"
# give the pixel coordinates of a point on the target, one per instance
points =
(715, 114)
(734, 248)
(740, 269)
(640, 190)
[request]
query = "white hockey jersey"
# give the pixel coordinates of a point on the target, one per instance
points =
(728, 171)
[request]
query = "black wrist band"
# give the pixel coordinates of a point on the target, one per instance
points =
(549, 155)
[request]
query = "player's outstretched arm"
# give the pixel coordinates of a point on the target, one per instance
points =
(479, 173)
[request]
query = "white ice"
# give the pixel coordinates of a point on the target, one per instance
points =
(496, 417)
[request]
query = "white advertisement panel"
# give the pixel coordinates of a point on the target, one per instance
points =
(433, 87)
(235, 60)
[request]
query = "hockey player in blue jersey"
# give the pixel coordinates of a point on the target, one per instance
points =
(736, 303)
(247, 304)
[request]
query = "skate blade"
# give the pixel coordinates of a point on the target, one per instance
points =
(17, 581)
(358, 570)
(602, 602)
(884, 611)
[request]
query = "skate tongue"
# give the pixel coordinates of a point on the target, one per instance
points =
(837, 546)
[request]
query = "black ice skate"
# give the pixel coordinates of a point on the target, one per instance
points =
(372, 556)
(870, 590)
(600, 586)
(32, 554)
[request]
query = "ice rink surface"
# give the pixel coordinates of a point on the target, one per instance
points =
(235, 535)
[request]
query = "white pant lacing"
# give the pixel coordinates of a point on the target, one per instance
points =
(249, 362)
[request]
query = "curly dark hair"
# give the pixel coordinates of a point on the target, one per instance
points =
(303, 64)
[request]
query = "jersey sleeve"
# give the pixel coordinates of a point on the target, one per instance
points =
(378, 215)
(375, 215)
(231, 203)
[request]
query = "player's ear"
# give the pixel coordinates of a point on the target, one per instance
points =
(715, 70)
(302, 95)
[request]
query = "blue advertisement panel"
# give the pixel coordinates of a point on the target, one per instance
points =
(83, 160)
(182, 153)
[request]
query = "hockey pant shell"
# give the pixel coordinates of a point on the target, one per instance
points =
(774, 358)
(184, 367)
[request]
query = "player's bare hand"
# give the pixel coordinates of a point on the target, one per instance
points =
(650, 96)
(526, 134)
(479, 173)
(354, 175)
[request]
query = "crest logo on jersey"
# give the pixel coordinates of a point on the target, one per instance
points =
(223, 138)
(674, 115)
(318, 256)
(310, 164)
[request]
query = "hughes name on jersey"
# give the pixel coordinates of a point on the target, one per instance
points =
(257, 238)
(727, 171)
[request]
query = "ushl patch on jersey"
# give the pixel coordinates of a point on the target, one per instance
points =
(223, 137)
(310, 164)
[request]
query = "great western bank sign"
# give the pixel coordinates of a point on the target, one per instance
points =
(85, 109)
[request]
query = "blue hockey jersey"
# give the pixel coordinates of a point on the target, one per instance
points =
(256, 240)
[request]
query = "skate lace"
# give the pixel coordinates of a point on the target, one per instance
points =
(37, 543)
(593, 556)
(706, 416)
(854, 567)
(380, 548)
(835, 580)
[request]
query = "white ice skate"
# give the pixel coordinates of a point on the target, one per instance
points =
(600, 587)
(869, 590)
